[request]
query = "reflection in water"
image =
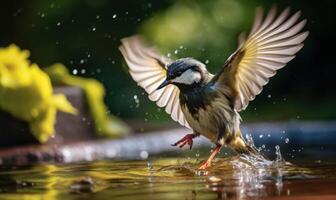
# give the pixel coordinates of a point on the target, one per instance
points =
(170, 178)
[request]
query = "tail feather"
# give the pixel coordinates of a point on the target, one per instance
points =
(247, 149)
(242, 147)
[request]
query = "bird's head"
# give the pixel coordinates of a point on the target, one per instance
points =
(184, 73)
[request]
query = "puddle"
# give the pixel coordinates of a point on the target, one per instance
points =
(169, 178)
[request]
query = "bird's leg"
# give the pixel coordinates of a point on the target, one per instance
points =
(207, 163)
(188, 139)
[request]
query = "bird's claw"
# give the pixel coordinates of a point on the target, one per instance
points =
(188, 139)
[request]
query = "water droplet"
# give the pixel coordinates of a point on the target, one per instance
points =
(144, 155)
(176, 51)
(93, 29)
(42, 15)
(149, 166)
(261, 136)
(214, 179)
(278, 154)
(169, 55)
(81, 61)
(207, 62)
(286, 140)
(58, 23)
(137, 102)
(114, 16)
(83, 71)
(97, 17)
(288, 192)
(74, 71)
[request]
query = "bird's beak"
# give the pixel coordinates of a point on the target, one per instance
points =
(162, 85)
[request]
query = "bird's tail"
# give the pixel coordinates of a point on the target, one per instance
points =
(247, 150)
(242, 147)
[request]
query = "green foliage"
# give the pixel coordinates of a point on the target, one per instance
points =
(72, 31)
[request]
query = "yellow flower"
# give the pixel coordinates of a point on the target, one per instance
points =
(26, 93)
(14, 66)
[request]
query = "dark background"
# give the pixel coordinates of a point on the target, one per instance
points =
(84, 35)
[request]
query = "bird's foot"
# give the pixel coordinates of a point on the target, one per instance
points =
(188, 139)
(207, 163)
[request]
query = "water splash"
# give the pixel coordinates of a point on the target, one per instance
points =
(278, 158)
(252, 174)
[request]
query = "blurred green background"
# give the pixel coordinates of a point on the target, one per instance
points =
(85, 34)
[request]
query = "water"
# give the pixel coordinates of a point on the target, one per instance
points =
(169, 178)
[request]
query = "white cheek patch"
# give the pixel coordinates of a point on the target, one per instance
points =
(188, 77)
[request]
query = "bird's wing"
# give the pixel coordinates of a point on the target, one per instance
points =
(271, 44)
(148, 68)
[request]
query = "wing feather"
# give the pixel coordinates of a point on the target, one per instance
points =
(271, 44)
(148, 68)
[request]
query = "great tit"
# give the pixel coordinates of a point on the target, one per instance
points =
(210, 104)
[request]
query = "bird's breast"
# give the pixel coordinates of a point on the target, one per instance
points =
(206, 113)
(197, 99)
(196, 106)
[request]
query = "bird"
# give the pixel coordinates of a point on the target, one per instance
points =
(209, 104)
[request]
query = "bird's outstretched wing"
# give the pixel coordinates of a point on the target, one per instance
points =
(271, 44)
(148, 68)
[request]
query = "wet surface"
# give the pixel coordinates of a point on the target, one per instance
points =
(152, 169)
(171, 178)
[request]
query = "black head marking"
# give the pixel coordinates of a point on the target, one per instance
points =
(176, 68)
